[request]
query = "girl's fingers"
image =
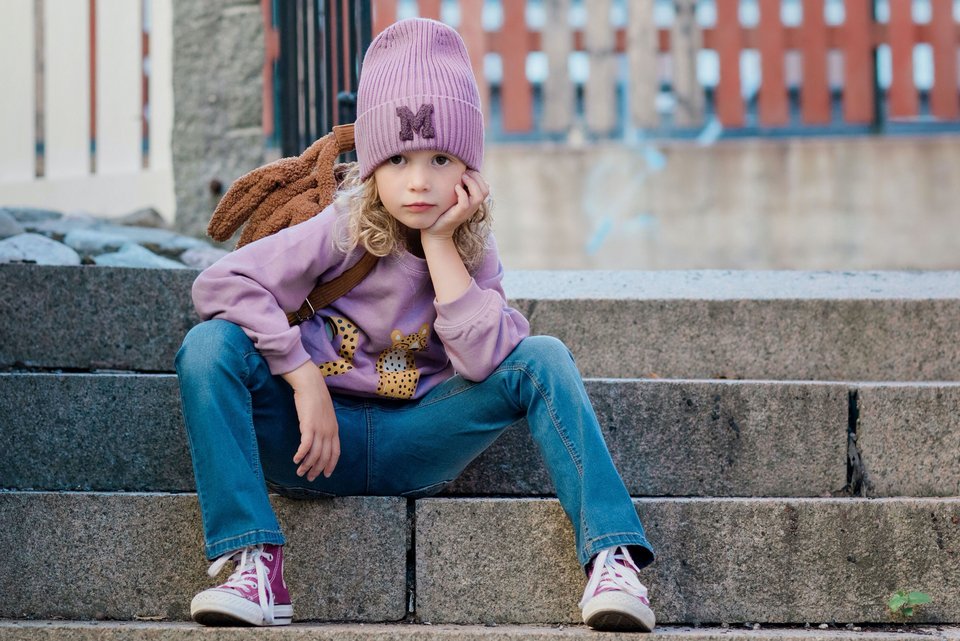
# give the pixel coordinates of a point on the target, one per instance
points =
(334, 457)
(321, 462)
(475, 190)
(306, 440)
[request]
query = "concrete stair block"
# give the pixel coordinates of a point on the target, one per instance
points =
(694, 438)
(511, 561)
(687, 438)
(128, 556)
(874, 326)
(154, 631)
(94, 317)
(909, 439)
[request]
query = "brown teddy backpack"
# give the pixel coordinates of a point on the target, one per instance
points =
(287, 192)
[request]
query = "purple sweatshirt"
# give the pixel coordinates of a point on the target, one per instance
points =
(387, 337)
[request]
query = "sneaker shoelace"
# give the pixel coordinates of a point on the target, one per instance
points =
(250, 571)
(613, 569)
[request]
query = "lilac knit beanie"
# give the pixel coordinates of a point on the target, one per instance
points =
(417, 91)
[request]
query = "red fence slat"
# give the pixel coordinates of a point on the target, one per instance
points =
(815, 93)
(384, 14)
(474, 37)
(429, 9)
(271, 51)
(901, 32)
(729, 104)
(943, 99)
(858, 71)
(774, 107)
(515, 92)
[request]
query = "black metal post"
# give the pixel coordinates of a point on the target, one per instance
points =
(317, 89)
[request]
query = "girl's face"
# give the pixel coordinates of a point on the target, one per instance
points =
(416, 187)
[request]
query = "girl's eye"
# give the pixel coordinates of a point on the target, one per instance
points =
(441, 160)
(396, 160)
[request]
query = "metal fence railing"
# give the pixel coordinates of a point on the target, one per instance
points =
(547, 68)
(320, 44)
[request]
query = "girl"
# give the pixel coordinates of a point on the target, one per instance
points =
(424, 357)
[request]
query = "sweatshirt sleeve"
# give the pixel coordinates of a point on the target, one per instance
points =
(253, 285)
(480, 329)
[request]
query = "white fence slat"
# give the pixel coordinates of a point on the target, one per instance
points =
(600, 93)
(558, 97)
(119, 100)
(66, 88)
(161, 82)
(18, 105)
(686, 40)
(642, 51)
(161, 103)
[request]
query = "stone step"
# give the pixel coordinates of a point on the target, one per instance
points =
(686, 438)
(167, 631)
(668, 438)
(870, 326)
(732, 560)
(130, 556)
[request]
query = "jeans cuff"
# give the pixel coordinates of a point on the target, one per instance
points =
(216, 549)
(594, 546)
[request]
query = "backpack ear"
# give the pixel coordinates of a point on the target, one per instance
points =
(246, 197)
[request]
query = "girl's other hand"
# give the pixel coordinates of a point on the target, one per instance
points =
(319, 448)
(471, 193)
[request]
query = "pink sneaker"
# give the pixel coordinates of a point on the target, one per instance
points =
(615, 599)
(255, 593)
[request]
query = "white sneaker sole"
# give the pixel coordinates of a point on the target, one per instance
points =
(617, 611)
(211, 607)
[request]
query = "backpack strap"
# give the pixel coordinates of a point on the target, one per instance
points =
(325, 293)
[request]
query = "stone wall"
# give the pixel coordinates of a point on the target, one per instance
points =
(834, 203)
(218, 58)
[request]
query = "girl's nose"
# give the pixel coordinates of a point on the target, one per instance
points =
(418, 178)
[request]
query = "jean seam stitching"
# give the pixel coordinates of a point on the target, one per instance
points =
(555, 420)
(367, 411)
(255, 453)
(248, 533)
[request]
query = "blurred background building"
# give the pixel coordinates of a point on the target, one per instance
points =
(648, 134)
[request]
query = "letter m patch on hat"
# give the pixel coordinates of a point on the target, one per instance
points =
(421, 122)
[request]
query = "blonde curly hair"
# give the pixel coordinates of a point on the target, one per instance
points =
(369, 225)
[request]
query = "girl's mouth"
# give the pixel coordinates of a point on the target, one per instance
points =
(418, 206)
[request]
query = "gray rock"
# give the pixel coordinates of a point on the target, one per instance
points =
(34, 248)
(159, 241)
(31, 214)
(202, 257)
(9, 225)
(148, 217)
(58, 228)
(92, 242)
(131, 255)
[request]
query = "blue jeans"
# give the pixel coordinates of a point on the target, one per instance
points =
(243, 431)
